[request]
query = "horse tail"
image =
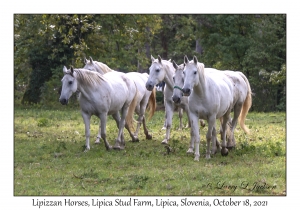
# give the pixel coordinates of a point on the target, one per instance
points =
(152, 104)
(246, 106)
(130, 114)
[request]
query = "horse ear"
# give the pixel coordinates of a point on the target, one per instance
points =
(72, 70)
(159, 59)
(85, 60)
(152, 58)
(195, 59)
(170, 60)
(65, 70)
(186, 60)
(91, 59)
(175, 65)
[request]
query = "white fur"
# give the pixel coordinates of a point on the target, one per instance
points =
(212, 95)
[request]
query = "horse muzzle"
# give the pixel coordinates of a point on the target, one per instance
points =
(176, 99)
(149, 86)
(186, 91)
(63, 101)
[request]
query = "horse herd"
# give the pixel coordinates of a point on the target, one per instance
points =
(204, 93)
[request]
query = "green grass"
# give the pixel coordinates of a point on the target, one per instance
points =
(49, 158)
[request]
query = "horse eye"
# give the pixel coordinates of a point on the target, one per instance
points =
(157, 70)
(174, 79)
(70, 82)
(195, 72)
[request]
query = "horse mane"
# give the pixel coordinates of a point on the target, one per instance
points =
(103, 67)
(200, 69)
(169, 68)
(88, 78)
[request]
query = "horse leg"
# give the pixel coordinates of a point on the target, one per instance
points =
(103, 119)
(86, 118)
(236, 113)
(165, 123)
(97, 141)
(117, 119)
(120, 141)
(209, 135)
(224, 150)
(214, 140)
(146, 132)
(139, 121)
(195, 136)
(141, 118)
(180, 114)
(169, 114)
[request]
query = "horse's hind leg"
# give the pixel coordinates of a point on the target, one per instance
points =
(236, 113)
(224, 150)
(120, 141)
(210, 135)
(103, 119)
(146, 132)
(214, 141)
(118, 119)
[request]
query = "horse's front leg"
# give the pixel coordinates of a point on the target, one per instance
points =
(97, 141)
(180, 114)
(195, 136)
(86, 118)
(169, 114)
(209, 135)
(192, 132)
(103, 119)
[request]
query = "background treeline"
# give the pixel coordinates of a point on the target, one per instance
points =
(253, 44)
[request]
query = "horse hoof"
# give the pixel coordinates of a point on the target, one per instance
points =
(196, 158)
(190, 151)
(135, 139)
(149, 137)
(224, 152)
(230, 147)
(117, 148)
(165, 141)
(163, 128)
(108, 148)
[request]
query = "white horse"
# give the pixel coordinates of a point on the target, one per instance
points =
(163, 70)
(212, 95)
(101, 95)
(145, 99)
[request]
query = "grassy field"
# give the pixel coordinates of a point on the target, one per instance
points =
(49, 158)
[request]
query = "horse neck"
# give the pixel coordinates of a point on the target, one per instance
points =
(103, 67)
(85, 90)
(168, 77)
(200, 89)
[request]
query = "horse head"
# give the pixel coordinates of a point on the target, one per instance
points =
(190, 75)
(156, 73)
(178, 79)
(69, 85)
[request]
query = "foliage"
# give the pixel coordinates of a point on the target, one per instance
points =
(49, 158)
(253, 44)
